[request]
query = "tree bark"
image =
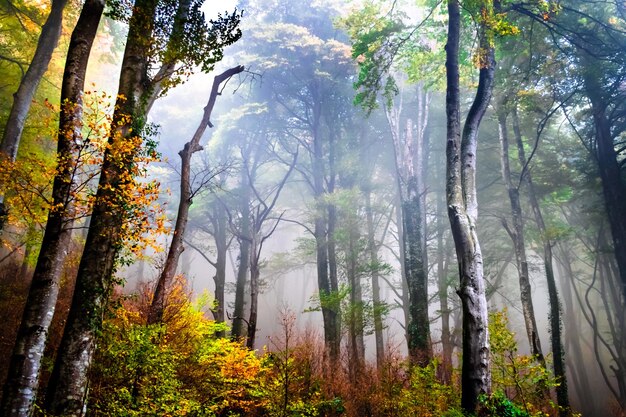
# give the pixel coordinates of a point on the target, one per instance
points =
(166, 278)
(20, 389)
(463, 209)
(553, 296)
(67, 390)
(519, 245)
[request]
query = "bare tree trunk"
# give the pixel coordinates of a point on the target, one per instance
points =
(22, 98)
(333, 276)
(553, 296)
(517, 236)
(186, 194)
(20, 390)
(463, 209)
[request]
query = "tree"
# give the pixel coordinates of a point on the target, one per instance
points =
(20, 390)
(596, 37)
(186, 195)
(22, 98)
(463, 205)
(303, 90)
(48, 40)
(516, 232)
(177, 45)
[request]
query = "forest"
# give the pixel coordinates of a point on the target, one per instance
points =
(313, 208)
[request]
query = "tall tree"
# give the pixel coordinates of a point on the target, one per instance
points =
(20, 389)
(178, 45)
(553, 297)
(186, 195)
(516, 232)
(303, 90)
(22, 98)
(463, 204)
(596, 37)
(409, 163)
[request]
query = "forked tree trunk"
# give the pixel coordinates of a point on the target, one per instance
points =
(519, 245)
(356, 322)
(166, 278)
(463, 209)
(20, 390)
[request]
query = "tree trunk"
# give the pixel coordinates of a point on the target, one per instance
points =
(463, 209)
(575, 359)
(164, 283)
(553, 296)
(67, 390)
(219, 279)
(442, 273)
(22, 98)
(372, 248)
(244, 262)
(519, 245)
(333, 276)
(356, 323)
(613, 186)
(409, 160)
(255, 273)
(20, 390)
(327, 292)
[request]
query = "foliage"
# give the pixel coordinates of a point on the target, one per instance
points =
(29, 179)
(520, 378)
(183, 37)
(175, 368)
(376, 41)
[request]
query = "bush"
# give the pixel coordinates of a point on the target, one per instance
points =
(173, 369)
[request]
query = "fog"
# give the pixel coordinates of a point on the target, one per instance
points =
(297, 57)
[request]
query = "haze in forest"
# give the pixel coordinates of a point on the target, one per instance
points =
(319, 208)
